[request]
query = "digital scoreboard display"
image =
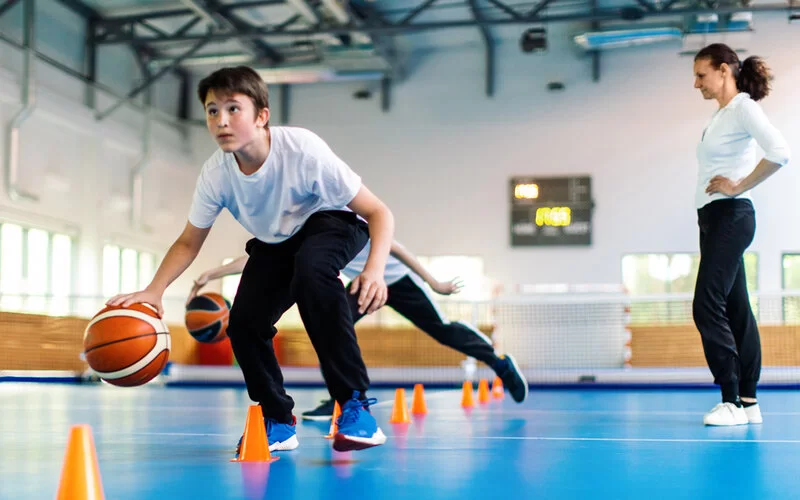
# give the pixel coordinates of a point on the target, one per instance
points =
(551, 211)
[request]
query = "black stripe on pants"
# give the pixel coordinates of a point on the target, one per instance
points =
(303, 269)
(408, 299)
(721, 305)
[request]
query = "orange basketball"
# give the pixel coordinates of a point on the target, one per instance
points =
(127, 346)
(207, 317)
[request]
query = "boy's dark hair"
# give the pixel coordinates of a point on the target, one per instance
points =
(752, 75)
(239, 79)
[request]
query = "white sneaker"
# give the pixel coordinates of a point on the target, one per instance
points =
(753, 414)
(725, 414)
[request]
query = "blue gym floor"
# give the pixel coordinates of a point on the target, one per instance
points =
(168, 442)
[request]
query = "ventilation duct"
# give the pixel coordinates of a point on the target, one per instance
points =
(712, 23)
(315, 74)
(358, 62)
(619, 39)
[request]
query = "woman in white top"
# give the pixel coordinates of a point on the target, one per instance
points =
(728, 170)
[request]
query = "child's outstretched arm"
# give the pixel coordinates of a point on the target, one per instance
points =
(409, 259)
(234, 267)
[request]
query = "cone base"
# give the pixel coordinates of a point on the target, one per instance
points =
(268, 460)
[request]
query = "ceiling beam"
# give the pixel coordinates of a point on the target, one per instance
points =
(396, 28)
(147, 15)
(210, 10)
(7, 6)
(80, 8)
(489, 46)
(152, 78)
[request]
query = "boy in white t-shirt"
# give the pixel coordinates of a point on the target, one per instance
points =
(302, 205)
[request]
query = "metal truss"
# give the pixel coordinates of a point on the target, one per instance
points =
(120, 30)
(7, 6)
(223, 22)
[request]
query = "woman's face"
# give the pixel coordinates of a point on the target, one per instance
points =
(708, 79)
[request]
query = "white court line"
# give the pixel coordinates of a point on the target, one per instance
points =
(477, 409)
(490, 438)
(532, 438)
(125, 408)
(410, 397)
(505, 412)
(128, 406)
(640, 440)
(118, 433)
(179, 434)
(447, 412)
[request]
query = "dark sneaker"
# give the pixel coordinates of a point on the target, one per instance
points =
(321, 413)
(512, 377)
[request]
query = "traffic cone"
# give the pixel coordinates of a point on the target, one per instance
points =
(337, 411)
(466, 395)
(255, 445)
(497, 388)
(418, 406)
(80, 474)
(483, 391)
(400, 409)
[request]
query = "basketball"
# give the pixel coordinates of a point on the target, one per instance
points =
(127, 346)
(207, 317)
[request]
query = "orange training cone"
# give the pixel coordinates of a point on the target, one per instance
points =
(400, 410)
(337, 411)
(483, 391)
(80, 474)
(497, 388)
(466, 395)
(418, 406)
(255, 445)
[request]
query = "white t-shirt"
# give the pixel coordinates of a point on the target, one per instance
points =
(300, 176)
(728, 145)
(395, 270)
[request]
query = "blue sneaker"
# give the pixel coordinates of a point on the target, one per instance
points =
(357, 427)
(512, 378)
(280, 436)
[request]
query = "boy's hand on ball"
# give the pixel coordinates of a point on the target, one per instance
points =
(143, 297)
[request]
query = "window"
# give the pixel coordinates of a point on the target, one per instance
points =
(11, 267)
(147, 268)
(126, 270)
(61, 274)
(230, 283)
(673, 273)
(37, 267)
(469, 270)
(111, 267)
(35, 270)
(791, 282)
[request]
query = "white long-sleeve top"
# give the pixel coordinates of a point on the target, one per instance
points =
(728, 145)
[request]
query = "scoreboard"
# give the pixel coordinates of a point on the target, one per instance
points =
(551, 211)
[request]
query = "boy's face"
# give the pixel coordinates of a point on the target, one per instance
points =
(232, 120)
